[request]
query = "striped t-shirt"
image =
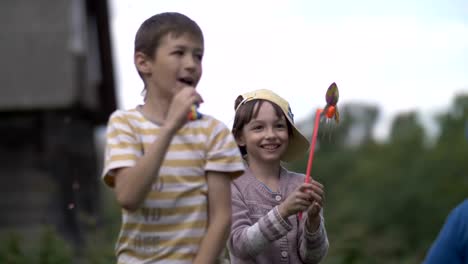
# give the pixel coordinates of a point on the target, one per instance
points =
(169, 226)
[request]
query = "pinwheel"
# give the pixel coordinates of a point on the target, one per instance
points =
(331, 109)
(329, 112)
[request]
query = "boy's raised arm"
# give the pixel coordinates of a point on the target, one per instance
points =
(132, 184)
(219, 217)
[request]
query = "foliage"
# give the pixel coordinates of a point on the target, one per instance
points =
(49, 249)
(52, 248)
(11, 252)
(386, 202)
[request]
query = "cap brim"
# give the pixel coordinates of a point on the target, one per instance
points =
(298, 145)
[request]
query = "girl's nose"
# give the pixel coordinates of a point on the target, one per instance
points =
(269, 133)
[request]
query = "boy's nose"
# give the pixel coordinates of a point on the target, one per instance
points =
(190, 63)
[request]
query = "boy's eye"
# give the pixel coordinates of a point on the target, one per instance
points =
(199, 56)
(178, 52)
(258, 127)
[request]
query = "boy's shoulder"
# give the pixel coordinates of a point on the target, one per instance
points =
(211, 118)
(125, 120)
(123, 114)
(211, 123)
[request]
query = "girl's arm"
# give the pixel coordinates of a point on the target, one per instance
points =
(219, 216)
(248, 239)
(313, 240)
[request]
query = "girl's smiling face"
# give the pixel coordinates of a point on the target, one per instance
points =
(265, 137)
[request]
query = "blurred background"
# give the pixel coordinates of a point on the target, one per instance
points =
(393, 168)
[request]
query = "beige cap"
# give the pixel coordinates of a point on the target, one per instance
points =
(298, 144)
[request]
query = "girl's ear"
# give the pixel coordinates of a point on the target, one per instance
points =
(142, 63)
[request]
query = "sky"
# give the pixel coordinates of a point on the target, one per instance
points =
(399, 55)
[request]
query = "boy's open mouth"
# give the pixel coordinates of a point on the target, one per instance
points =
(187, 80)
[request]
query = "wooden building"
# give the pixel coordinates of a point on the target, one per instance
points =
(57, 86)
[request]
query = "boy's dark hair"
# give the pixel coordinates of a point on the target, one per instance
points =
(153, 29)
(246, 112)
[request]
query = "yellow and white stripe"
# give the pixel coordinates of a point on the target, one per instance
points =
(173, 219)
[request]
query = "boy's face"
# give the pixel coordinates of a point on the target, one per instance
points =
(177, 63)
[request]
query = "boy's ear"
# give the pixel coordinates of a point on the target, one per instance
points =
(142, 62)
(240, 141)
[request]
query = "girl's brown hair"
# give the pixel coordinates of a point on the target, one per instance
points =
(249, 110)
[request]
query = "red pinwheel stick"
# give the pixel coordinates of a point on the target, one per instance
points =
(312, 147)
(311, 152)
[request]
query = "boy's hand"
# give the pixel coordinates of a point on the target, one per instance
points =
(180, 106)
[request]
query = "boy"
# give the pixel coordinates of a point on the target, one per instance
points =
(170, 176)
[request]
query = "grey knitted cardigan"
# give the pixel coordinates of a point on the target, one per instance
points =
(260, 235)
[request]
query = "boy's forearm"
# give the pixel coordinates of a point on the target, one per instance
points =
(214, 241)
(219, 218)
(134, 184)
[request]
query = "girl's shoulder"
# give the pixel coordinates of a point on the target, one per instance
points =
(245, 179)
(292, 175)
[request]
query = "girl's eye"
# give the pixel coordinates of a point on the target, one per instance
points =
(281, 125)
(256, 127)
(178, 52)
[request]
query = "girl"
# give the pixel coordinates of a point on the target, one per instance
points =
(267, 198)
